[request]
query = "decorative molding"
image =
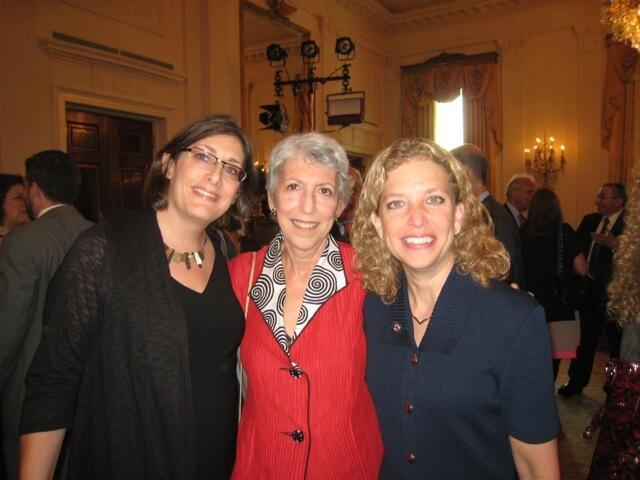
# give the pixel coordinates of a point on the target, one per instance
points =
(281, 8)
(142, 14)
(91, 56)
(510, 47)
(449, 58)
(370, 9)
(446, 11)
(590, 37)
(274, 17)
(361, 139)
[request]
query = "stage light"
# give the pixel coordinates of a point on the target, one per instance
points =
(275, 53)
(345, 47)
(309, 49)
(274, 118)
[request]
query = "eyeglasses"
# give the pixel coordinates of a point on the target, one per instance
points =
(229, 170)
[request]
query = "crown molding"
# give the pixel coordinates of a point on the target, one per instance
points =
(259, 54)
(453, 10)
(90, 56)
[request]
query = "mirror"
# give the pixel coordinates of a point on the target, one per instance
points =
(261, 28)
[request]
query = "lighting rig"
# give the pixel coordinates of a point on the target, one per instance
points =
(343, 108)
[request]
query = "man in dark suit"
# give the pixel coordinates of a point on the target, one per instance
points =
(477, 166)
(519, 192)
(29, 256)
(597, 232)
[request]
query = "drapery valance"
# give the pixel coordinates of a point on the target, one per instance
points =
(440, 79)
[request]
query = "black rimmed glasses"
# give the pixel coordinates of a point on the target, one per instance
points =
(229, 170)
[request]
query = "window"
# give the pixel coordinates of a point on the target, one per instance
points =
(449, 125)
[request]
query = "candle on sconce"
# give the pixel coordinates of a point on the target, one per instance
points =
(543, 159)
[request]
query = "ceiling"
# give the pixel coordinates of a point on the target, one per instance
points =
(404, 6)
(260, 30)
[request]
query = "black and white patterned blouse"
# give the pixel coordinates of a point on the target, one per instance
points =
(269, 291)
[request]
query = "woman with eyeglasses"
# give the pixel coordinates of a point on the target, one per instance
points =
(138, 356)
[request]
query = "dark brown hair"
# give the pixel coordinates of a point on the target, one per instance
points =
(545, 214)
(6, 182)
(157, 183)
(55, 174)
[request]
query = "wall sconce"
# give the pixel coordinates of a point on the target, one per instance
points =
(542, 160)
(340, 111)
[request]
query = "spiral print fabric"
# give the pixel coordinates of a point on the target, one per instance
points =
(322, 285)
(269, 291)
(262, 292)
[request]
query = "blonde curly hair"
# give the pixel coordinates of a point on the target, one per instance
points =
(624, 288)
(476, 250)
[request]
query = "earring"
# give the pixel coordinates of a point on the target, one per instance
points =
(272, 213)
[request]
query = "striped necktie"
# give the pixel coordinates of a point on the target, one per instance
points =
(596, 249)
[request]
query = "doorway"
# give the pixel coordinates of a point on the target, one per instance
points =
(113, 153)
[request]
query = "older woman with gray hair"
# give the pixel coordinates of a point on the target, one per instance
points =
(308, 413)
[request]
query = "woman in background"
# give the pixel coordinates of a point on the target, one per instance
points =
(138, 354)
(616, 454)
(308, 413)
(457, 362)
(552, 258)
(13, 209)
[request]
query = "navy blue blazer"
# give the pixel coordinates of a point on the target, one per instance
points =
(481, 373)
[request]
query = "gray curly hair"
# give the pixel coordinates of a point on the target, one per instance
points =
(318, 148)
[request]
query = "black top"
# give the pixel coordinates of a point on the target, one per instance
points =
(541, 268)
(215, 324)
(113, 365)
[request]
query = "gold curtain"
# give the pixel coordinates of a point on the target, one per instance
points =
(422, 85)
(618, 136)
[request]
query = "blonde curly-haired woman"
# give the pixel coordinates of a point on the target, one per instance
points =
(458, 364)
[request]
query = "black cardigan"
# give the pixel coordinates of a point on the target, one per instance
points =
(113, 365)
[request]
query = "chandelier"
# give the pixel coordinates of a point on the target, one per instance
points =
(542, 160)
(623, 19)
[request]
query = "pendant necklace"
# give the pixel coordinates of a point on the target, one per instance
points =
(187, 258)
(420, 321)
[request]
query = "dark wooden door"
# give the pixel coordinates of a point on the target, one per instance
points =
(113, 154)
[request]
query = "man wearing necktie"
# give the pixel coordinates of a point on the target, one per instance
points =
(519, 192)
(598, 232)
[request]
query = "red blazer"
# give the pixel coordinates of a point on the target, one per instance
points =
(328, 407)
